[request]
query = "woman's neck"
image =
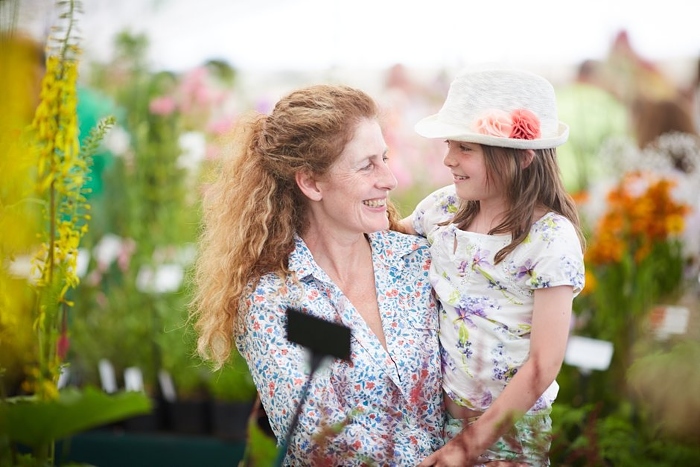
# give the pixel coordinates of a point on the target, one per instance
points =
(339, 256)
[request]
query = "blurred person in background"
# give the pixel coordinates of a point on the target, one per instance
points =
(669, 144)
(299, 216)
(656, 119)
(598, 115)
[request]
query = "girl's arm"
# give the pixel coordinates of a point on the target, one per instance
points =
(406, 225)
(550, 330)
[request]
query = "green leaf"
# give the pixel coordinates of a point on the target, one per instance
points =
(261, 450)
(34, 422)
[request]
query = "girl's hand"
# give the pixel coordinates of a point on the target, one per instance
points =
(453, 454)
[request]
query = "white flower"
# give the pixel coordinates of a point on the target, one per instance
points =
(21, 267)
(107, 250)
(194, 147)
(161, 279)
(117, 141)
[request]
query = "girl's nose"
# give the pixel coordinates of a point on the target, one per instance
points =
(448, 160)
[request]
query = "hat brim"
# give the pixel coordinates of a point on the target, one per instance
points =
(432, 127)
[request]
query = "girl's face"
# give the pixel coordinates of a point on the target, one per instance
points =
(467, 163)
(355, 190)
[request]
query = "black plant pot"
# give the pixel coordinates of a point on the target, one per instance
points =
(192, 417)
(147, 423)
(230, 419)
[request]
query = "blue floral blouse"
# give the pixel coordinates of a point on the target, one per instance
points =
(486, 312)
(382, 408)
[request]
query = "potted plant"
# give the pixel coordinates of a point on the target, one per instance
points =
(187, 400)
(233, 395)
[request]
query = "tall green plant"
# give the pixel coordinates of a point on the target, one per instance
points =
(151, 214)
(52, 167)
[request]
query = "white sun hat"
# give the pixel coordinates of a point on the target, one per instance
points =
(498, 107)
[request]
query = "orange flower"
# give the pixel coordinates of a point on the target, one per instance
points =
(641, 211)
(581, 197)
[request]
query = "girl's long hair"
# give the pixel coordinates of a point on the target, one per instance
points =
(253, 208)
(527, 187)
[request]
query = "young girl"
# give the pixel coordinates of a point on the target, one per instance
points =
(507, 262)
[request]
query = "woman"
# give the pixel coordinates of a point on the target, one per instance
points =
(299, 217)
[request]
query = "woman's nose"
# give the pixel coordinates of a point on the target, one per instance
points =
(388, 179)
(391, 182)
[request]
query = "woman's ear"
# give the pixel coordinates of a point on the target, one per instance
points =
(308, 185)
(528, 157)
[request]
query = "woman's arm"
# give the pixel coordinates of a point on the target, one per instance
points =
(550, 330)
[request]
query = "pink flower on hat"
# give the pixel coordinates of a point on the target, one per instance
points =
(526, 125)
(519, 124)
(495, 123)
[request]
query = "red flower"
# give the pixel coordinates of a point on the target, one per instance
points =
(62, 345)
(526, 125)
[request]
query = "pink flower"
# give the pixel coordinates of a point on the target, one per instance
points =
(162, 106)
(519, 124)
(221, 126)
(526, 125)
(128, 247)
(495, 123)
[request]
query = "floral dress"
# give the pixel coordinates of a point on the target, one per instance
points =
(487, 308)
(384, 407)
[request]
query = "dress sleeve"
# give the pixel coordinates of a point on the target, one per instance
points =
(439, 206)
(556, 256)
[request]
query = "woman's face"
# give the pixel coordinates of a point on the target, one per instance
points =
(355, 190)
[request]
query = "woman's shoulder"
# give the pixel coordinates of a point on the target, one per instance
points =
(397, 243)
(399, 250)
